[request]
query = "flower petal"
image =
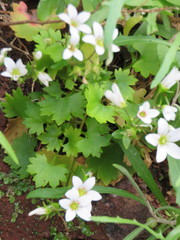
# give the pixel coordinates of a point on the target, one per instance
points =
(73, 194)
(99, 50)
(84, 213)
(89, 39)
(94, 195)
(98, 30)
(115, 48)
(64, 203)
(78, 55)
(152, 138)
(153, 113)
(67, 54)
(70, 215)
(9, 63)
(163, 127)
(6, 74)
(89, 183)
(173, 150)
(77, 182)
(161, 153)
(85, 28)
(64, 17)
(72, 11)
(115, 34)
(83, 16)
(174, 135)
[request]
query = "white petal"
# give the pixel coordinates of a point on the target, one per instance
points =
(99, 50)
(115, 48)
(89, 183)
(5, 50)
(64, 203)
(64, 17)
(84, 200)
(109, 95)
(163, 127)
(84, 213)
(67, 54)
(98, 30)
(146, 120)
(94, 195)
(73, 31)
(152, 113)
(6, 74)
(74, 40)
(174, 135)
(85, 28)
(9, 63)
(161, 153)
(89, 39)
(152, 138)
(38, 211)
(83, 17)
(70, 215)
(72, 12)
(73, 194)
(173, 150)
(115, 34)
(78, 55)
(77, 182)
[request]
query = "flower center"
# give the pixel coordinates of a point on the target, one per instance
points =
(16, 72)
(82, 191)
(74, 23)
(142, 114)
(100, 42)
(71, 48)
(74, 205)
(162, 140)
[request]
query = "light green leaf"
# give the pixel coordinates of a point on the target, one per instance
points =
(46, 8)
(152, 23)
(131, 23)
(24, 149)
(95, 108)
(45, 172)
(51, 137)
(73, 136)
(6, 145)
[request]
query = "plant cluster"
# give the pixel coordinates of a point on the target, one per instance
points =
(91, 116)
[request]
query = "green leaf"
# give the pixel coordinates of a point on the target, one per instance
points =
(174, 170)
(24, 149)
(46, 172)
(51, 137)
(57, 193)
(73, 2)
(73, 136)
(46, 8)
(95, 108)
(103, 166)
(90, 5)
(34, 121)
(174, 234)
(142, 170)
(168, 59)
(94, 139)
(149, 55)
(63, 109)
(15, 105)
(131, 23)
(152, 23)
(124, 80)
(6, 145)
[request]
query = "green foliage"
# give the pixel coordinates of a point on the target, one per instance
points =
(46, 171)
(103, 166)
(51, 137)
(24, 149)
(95, 107)
(15, 104)
(95, 133)
(46, 8)
(64, 108)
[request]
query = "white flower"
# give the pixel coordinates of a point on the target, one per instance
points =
(3, 53)
(84, 189)
(146, 114)
(115, 96)
(38, 55)
(169, 112)
(71, 50)
(164, 140)
(38, 211)
(114, 47)
(76, 21)
(14, 70)
(44, 78)
(75, 205)
(97, 39)
(172, 78)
